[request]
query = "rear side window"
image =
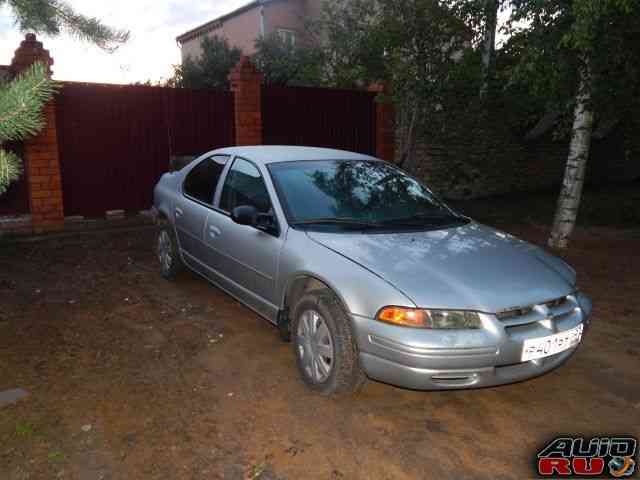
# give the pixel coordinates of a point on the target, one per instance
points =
(244, 186)
(202, 180)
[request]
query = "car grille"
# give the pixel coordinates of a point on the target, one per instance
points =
(552, 309)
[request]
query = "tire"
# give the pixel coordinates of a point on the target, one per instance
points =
(167, 251)
(322, 312)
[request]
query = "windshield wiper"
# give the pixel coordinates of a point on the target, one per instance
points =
(354, 222)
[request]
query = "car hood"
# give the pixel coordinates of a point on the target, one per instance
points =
(468, 267)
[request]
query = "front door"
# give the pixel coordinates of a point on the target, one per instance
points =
(248, 257)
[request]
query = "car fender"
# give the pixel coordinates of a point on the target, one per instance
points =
(361, 292)
(164, 195)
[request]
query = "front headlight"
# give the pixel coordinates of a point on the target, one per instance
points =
(436, 319)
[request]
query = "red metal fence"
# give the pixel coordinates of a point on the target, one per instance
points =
(319, 117)
(116, 141)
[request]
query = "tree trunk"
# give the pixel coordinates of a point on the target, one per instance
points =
(569, 200)
(408, 134)
(488, 44)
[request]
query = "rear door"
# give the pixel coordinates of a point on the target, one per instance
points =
(193, 206)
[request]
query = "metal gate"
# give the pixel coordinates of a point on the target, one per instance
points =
(116, 141)
(319, 117)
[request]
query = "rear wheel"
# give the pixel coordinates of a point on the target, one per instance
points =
(167, 250)
(324, 345)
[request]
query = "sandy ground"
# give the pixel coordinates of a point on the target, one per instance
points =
(134, 377)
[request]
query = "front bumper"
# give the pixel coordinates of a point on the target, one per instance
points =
(453, 359)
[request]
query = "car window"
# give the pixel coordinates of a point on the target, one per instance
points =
(244, 186)
(202, 180)
(341, 194)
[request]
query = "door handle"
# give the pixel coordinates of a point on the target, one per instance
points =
(214, 231)
(179, 212)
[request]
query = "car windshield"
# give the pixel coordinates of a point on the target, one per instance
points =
(355, 194)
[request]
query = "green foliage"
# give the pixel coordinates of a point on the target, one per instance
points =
(414, 45)
(474, 14)
(21, 103)
(354, 43)
(280, 63)
(552, 42)
(285, 64)
(10, 169)
(53, 17)
(211, 69)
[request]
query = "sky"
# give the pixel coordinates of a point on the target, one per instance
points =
(150, 52)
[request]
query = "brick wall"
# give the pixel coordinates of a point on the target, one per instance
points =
(43, 175)
(385, 123)
(40, 153)
(480, 161)
(246, 84)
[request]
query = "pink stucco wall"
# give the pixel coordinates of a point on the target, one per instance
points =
(242, 30)
(287, 14)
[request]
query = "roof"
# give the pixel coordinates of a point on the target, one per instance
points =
(285, 153)
(216, 22)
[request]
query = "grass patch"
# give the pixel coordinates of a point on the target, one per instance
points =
(25, 430)
(256, 471)
(56, 456)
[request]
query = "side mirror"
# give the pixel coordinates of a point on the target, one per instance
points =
(245, 215)
(248, 215)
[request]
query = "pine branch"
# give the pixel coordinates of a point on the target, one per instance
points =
(10, 169)
(90, 28)
(54, 16)
(21, 103)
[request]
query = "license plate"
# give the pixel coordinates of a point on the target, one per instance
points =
(547, 346)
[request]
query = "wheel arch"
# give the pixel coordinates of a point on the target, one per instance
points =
(305, 282)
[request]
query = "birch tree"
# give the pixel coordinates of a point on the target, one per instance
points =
(573, 52)
(575, 171)
(488, 43)
(481, 18)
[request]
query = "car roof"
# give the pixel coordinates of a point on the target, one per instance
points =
(285, 153)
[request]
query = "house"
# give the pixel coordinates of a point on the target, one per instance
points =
(289, 19)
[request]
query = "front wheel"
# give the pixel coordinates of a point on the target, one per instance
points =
(324, 345)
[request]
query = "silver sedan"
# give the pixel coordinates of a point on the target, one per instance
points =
(366, 271)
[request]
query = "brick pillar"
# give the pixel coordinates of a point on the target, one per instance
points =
(246, 84)
(42, 165)
(385, 123)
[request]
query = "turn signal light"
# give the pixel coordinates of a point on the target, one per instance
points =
(434, 319)
(408, 317)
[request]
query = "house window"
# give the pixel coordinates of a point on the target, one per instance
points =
(288, 37)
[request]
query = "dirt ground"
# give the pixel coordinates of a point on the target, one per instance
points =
(134, 377)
